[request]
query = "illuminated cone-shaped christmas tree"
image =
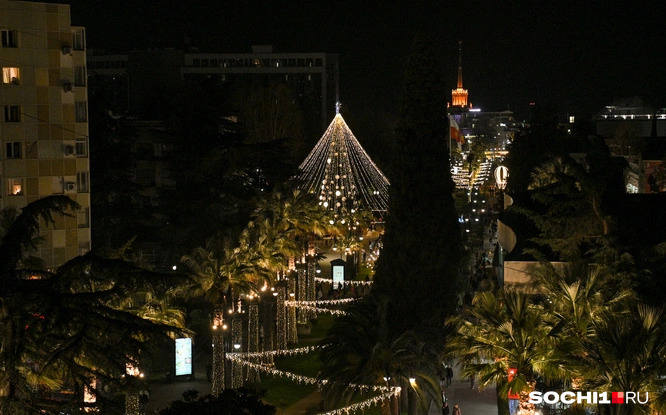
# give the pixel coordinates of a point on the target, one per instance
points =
(342, 174)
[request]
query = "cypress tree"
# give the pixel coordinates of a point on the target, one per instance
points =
(419, 264)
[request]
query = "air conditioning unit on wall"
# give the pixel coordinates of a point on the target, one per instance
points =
(66, 50)
(69, 150)
(70, 187)
(67, 87)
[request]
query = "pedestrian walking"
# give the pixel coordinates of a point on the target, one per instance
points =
(449, 375)
(456, 410)
(445, 408)
(144, 398)
(471, 381)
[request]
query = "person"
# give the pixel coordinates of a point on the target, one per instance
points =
(445, 408)
(449, 375)
(456, 410)
(144, 398)
(471, 382)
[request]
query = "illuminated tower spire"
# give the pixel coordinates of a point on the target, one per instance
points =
(459, 95)
(460, 85)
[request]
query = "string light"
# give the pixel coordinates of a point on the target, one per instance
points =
(237, 341)
(342, 174)
(218, 362)
(386, 392)
(276, 353)
(292, 332)
(253, 327)
(329, 281)
(281, 317)
(365, 404)
(311, 293)
(132, 403)
(253, 337)
(321, 302)
(322, 310)
(302, 293)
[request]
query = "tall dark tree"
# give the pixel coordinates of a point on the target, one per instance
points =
(62, 329)
(418, 267)
(532, 146)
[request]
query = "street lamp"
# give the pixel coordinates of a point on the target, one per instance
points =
(501, 175)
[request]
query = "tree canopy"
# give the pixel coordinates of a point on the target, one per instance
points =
(418, 266)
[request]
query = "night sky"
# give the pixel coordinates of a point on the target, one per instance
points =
(578, 55)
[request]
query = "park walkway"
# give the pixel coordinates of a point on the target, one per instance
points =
(471, 401)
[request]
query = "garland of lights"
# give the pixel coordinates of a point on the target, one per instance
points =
(315, 310)
(387, 392)
(342, 174)
(364, 404)
(465, 180)
(329, 281)
(321, 302)
(278, 353)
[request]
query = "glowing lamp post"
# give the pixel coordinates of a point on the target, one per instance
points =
(132, 404)
(501, 176)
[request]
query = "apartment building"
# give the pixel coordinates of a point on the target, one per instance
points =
(44, 120)
(132, 75)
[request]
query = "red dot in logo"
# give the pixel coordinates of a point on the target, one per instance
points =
(617, 397)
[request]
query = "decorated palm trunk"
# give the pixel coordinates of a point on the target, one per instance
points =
(237, 376)
(311, 290)
(253, 338)
(301, 295)
(132, 405)
(292, 330)
(281, 318)
(524, 405)
(217, 376)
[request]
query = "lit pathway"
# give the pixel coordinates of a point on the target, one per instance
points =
(471, 401)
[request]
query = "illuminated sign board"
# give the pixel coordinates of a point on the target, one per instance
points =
(183, 356)
(338, 276)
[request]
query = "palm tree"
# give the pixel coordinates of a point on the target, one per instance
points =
(292, 217)
(624, 354)
(221, 274)
(506, 330)
(62, 329)
(358, 350)
(617, 344)
(580, 293)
